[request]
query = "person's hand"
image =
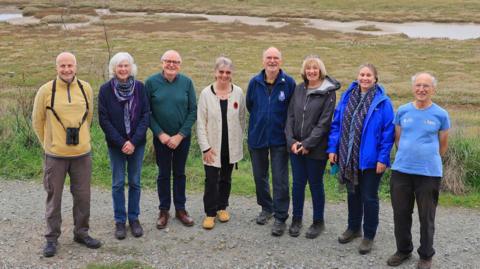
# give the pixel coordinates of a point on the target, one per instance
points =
(294, 149)
(304, 151)
(128, 148)
(381, 167)
(174, 141)
(332, 157)
(209, 156)
(164, 138)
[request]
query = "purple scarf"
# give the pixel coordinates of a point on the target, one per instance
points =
(125, 93)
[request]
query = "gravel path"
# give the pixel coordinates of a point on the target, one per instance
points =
(239, 243)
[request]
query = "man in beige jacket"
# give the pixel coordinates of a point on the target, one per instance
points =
(61, 118)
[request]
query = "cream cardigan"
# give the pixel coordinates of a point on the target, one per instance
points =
(209, 123)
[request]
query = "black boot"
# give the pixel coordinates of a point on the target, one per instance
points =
(295, 227)
(317, 227)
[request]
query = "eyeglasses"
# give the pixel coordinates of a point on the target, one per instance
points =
(224, 72)
(423, 86)
(171, 62)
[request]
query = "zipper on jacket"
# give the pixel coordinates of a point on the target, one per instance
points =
(303, 117)
(68, 93)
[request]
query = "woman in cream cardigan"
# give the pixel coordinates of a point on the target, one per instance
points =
(220, 128)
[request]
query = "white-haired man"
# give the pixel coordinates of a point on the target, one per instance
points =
(421, 136)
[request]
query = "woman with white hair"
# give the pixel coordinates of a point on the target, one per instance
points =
(123, 112)
(220, 127)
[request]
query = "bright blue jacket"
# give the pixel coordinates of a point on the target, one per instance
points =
(268, 113)
(378, 132)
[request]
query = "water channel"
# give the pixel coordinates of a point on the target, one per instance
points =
(457, 31)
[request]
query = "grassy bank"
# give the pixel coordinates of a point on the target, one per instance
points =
(343, 10)
(28, 55)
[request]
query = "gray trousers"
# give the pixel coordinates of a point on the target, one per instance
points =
(80, 171)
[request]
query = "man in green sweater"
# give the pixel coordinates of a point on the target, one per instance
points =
(174, 111)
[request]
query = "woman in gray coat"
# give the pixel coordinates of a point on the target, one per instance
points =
(308, 125)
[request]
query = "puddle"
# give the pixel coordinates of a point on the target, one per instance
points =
(254, 21)
(459, 31)
(9, 16)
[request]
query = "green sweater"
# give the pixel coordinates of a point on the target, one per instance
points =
(173, 104)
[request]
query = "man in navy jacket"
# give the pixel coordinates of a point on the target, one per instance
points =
(267, 101)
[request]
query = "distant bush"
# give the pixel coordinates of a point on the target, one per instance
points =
(462, 164)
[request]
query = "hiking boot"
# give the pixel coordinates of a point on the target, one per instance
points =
(365, 246)
(295, 227)
(398, 258)
(278, 227)
(136, 228)
(208, 222)
(223, 215)
(120, 231)
(88, 241)
(348, 236)
(263, 217)
(50, 249)
(317, 227)
(424, 263)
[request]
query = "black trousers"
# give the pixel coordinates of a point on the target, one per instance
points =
(404, 190)
(218, 183)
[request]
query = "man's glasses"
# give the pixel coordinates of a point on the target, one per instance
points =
(423, 86)
(172, 62)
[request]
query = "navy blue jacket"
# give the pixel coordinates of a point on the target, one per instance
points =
(378, 132)
(110, 116)
(268, 113)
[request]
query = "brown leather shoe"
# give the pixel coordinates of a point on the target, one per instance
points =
(424, 264)
(163, 219)
(183, 217)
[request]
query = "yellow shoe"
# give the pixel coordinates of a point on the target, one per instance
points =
(223, 215)
(208, 222)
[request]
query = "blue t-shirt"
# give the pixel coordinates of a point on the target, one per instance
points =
(419, 147)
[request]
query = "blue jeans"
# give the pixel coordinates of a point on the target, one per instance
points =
(364, 204)
(306, 169)
(279, 161)
(168, 161)
(134, 168)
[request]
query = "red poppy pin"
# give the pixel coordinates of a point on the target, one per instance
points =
(235, 105)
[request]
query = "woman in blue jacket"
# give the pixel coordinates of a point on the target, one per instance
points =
(361, 137)
(124, 115)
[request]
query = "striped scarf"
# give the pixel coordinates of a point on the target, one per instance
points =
(351, 133)
(124, 91)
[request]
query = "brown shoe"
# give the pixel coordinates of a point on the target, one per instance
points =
(183, 217)
(348, 236)
(424, 264)
(163, 219)
(398, 258)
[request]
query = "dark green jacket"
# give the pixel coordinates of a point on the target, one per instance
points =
(173, 104)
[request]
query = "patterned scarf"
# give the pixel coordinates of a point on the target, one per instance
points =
(124, 91)
(352, 126)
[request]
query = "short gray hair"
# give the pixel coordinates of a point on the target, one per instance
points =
(164, 55)
(117, 59)
(223, 61)
(434, 79)
(265, 51)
